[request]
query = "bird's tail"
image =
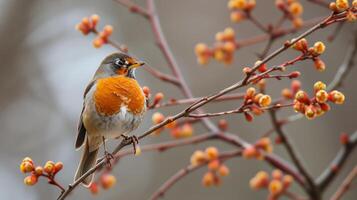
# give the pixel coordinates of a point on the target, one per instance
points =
(88, 160)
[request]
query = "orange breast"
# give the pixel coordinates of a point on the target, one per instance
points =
(113, 92)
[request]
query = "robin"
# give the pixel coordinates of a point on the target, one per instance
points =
(114, 105)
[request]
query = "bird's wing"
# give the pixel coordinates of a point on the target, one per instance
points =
(81, 135)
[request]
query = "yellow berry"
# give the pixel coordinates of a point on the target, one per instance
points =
(321, 96)
(198, 157)
(296, 8)
(342, 4)
(208, 179)
(108, 181)
(265, 101)
(223, 170)
(319, 48)
(275, 187)
(30, 180)
(212, 153)
(157, 118)
(319, 85)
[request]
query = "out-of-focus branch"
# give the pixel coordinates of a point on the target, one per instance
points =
(346, 66)
(324, 180)
(345, 185)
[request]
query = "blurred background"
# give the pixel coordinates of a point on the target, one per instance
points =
(46, 65)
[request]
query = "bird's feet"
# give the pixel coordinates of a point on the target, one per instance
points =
(108, 158)
(133, 139)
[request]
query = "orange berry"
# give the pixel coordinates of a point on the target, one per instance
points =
(107, 181)
(208, 179)
(223, 124)
(265, 101)
(300, 45)
(212, 153)
(108, 30)
(275, 187)
(95, 19)
(27, 159)
(310, 112)
(158, 97)
(146, 91)
(214, 165)
(287, 180)
(277, 174)
(321, 96)
(302, 97)
(223, 170)
(319, 86)
(58, 166)
(295, 86)
(38, 170)
(198, 157)
(26, 167)
(186, 130)
(93, 187)
(229, 34)
(296, 8)
(98, 42)
(286, 93)
(250, 93)
(298, 22)
(337, 97)
(237, 16)
(157, 118)
(201, 48)
(342, 5)
(49, 167)
(250, 152)
(31, 180)
(344, 138)
(319, 48)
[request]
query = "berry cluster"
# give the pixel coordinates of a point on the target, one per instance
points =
(106, 181)
(49, 170)
(240, 9)
(216, 169)
(222, 51)
(292, 10)
(177, 131)
(89, 24)
(255, 151)
(312, 52)
(318, 105)
(276, 184)
(343, 5)
(255, 102)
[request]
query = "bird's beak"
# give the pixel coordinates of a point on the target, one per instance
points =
(137, 63)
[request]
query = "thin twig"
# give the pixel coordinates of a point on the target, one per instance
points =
(345, 185)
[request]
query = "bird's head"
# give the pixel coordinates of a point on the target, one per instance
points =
(118, 64)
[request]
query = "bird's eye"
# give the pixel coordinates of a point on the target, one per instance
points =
(120, 62)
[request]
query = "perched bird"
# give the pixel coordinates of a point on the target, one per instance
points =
(114, 105)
